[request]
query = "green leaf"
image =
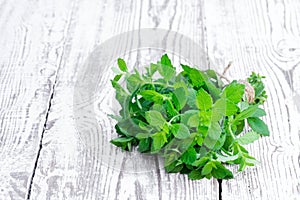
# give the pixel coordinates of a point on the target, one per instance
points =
(189, 156)
(174, 167)
(152, 69)
(166, 71)
(201, 162)
(122, 65)
(243, 164)
(141, 136)
(117, 77)
(218, 110)
(231, 108)
(198, 79)
(169, 107)
(234, 92)
(121, 93)
(165, 68)
(258, 126)
(204, 100)
(199, 140)
(179, 98)
(213, 135)
(154, 118)
(248, 138)
(243, 105)
(223, 107)
(129, 127)
(175, 148)
(133, 81)
(144, 145)
(213, 75)
(194, 120)
(191, 98)
(207, 169)
(165, 60)
(180, 131)
(249, 112)
(194, 75)
(205, 118)
(152, 95)
(159, 139)
(195, 175)
(122, 142)
(238, 127)
(258, 113)
(187, 114)
(220, 142)
(221, 172)
(225, 159)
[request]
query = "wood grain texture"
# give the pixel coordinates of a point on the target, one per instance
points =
(45, 44)
(32, 37)
(263, 36)
(68, 168)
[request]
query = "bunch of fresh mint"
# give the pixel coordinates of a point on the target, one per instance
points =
(191, 118)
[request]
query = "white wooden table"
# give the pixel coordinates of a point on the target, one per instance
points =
(44, 42)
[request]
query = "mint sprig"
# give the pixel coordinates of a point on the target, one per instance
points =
(190, 118)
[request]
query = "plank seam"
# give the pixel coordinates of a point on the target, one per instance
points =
(220, 188)
(41, 141)
(49, 102)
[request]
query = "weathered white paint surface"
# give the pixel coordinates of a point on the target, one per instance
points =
(43, 156)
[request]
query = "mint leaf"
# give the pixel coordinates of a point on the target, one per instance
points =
(133, 82)
(154, 118)
(249, 112)
(198, 79)
(179, 98)
(234, 92)
(204, 100)
(180, 131)
(248, 138)
(152, 95)
(121, 93)
(159, 139)
(144, 145)
(174, 167)
(123, 142)
(117, 77)
(194, 120)
(165, 60)
(122, 65)
(194, 75)
(189, 157)
(259, 113)
(191, 98)
(185, 117)
(195, 175)
(166, 71)
(165, 68)
(221, 172)
(223, 107)
(213, 135)
(258, 126)
(207, 169)
(201, 162)
(152, 69)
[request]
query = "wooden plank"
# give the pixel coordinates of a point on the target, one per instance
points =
(32, 40)
(263, 36)
(73, 165)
